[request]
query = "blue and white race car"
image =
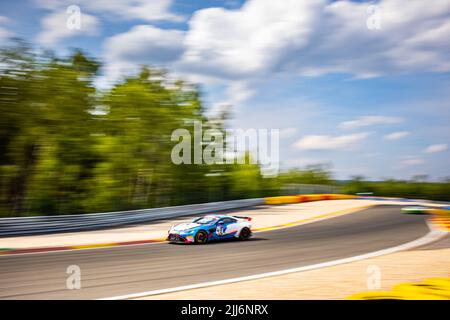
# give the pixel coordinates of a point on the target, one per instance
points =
(211, 227)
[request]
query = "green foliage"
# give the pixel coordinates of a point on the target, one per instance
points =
(399, 188)
(69, 148)
(314, 174)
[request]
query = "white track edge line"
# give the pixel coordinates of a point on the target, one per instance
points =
(434, 235)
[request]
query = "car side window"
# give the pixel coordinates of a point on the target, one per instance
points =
(228, 220)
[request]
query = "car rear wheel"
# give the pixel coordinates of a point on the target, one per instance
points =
(245, 234)
(201, 237)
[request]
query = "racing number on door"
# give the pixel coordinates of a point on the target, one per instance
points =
(225, 227)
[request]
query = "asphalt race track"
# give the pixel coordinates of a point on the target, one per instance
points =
(131, 269)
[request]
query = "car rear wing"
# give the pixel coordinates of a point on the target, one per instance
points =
(243, 218)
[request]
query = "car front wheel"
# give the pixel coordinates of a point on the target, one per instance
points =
(201, 237)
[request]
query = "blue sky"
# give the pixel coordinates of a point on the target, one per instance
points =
(367, 100)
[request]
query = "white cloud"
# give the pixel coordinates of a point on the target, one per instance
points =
(370, 154)
(368, 121)
(397, 135)
(410, 161)
(4, 33)
(143, 44)
(156, 45)
(54, 25)
(147, 10)
(436, 148)
(313, 37)
(239, 91)
(288, 132)
(295, 37)
(325, 142)
(249, 41)
(55, 28)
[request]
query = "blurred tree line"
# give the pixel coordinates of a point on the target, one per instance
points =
(67, 147)
(414, 188)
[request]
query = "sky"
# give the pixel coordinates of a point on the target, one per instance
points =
(363, 87)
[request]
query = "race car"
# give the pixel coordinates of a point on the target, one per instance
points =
(210, 228)
(415, 209)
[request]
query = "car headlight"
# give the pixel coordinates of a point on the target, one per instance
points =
(189, 231)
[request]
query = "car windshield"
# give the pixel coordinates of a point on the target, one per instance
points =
(205, 220)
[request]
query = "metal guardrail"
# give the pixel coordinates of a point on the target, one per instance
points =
(49, 224)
